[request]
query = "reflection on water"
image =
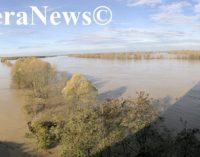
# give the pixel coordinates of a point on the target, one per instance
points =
(160, 78)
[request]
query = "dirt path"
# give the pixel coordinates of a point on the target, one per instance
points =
(12, 120)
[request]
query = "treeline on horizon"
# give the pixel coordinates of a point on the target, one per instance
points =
(3, 59)
(185, 54)
(179, 54)
(8, 60)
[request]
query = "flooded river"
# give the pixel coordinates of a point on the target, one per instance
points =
(175, 83)
(13, 122)
(159, 78)
(167, 80)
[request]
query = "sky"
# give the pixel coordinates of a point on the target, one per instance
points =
(137, 25)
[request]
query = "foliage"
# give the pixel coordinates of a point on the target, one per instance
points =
(187, 143)
(79, 91)
(82, 133)
(91, 129)
(33, 74)
(6, 62)
(46, 132)
(120, 56)
(184, 54)
(41, 83)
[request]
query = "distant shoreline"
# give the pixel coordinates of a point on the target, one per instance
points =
(17, 57)
(185, 54)
(178, 54)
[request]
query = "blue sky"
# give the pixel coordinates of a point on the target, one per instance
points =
(146, 25)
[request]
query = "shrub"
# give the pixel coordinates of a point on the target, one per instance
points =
(79, 91)
(34, 74)
(92, 129)
(82, 133)
(47, 133)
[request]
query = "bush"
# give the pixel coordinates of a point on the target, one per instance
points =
(91, 129)
(34, 74)
(82, 133)
(79, 91)
(47, 133)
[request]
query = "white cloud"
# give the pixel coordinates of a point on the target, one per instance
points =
(197, 8)
(118, 39)
(176, 7)
(152, 32)
(171, 18)
(133, 3)
(175, 13)
(123, 38)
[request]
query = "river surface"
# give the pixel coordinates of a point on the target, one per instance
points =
(159, 78)
(11, 114)
(12, 120)
(175, 83)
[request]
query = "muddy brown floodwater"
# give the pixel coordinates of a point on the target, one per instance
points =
(115, 78)
(175, 83)
(12, 120)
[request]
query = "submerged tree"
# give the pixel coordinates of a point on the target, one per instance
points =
(34, 74)
(79, 91)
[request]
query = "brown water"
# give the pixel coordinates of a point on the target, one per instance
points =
(160, 78)
(11, 112)
(12, 120)
(175, 83)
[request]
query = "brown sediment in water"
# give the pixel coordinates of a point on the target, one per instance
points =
(13, 142)
(13, 122)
